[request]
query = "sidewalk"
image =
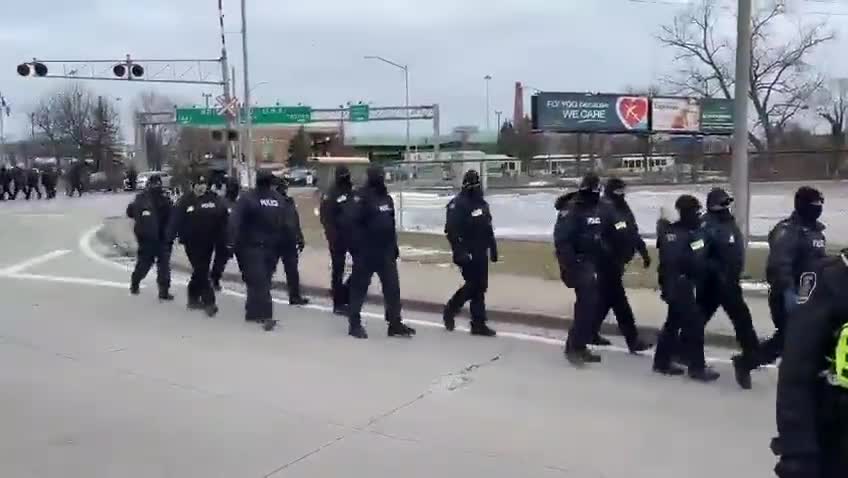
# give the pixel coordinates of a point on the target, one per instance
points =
(426, 287)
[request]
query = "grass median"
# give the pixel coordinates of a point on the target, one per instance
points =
(523, 258)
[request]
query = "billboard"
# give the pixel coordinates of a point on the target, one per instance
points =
(589, 113)
(716, 116)
(675, 115)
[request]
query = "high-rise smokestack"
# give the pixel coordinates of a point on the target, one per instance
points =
(518, 113)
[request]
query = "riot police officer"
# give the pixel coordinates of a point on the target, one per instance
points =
(20, 179)
(468, 227)
(794, 244)
(256, 228)
(200, 221)
(582, 237)
(335, 212)
(151, 211)
(625, 243)
(291, 244)
(32, 179)
(375, 251)
(726, 255)
(5, 184)
(222, 253)
(682, 268)
(812, 385)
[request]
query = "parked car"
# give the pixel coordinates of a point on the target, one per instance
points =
(300, 177)
(141, 181)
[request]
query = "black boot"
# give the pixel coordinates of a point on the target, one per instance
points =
(448, 319)
(399, 329)
(671, 369)
(579, 358)
(601, 340)
(193, 304)
(298, 300)
(340, 310)
(164, 295)
(216, 284)
(211, 310)
(134, 289)
(704, 375)
(269, 325)
(481, 329)
(357, 331)
(638, 345)
(742, 372)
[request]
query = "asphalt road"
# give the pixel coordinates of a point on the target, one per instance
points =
(96, 383)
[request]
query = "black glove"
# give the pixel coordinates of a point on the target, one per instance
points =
(397, 253)
(789, 467)
(300, 246)
(461, 258)
(646, 261)
(493, 255)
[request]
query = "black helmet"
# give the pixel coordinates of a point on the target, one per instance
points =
(470, 179)
(342, 172)
(591, 183)
(264, 179)
(718, 200)
(687, 204)
(615, 187)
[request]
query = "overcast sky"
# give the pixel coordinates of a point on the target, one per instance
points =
(312, 51)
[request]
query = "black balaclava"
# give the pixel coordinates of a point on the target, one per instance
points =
(282, 186)
(471, 185)
(376, 178)
(154, 184)
(689, 209)
(264, 180)
(809, 204)
(233, 188)
(590, 189)
(615, 190)
(343, 180)
(719, 202)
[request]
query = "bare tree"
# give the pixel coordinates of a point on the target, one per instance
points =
(781, 79)
(159, 139)
(833, 107)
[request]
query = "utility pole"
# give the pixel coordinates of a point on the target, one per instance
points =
(4, 112)
(498, 114)
(739, 170)
(225, 72)
(206, 98)
(248, 120)
(488, 79)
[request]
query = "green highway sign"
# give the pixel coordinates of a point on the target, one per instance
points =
(359, 113)
(282, 115)
(200, 117)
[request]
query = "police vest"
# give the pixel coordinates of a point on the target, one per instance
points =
(838, 375)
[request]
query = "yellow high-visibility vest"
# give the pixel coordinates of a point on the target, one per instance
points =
(840, 359)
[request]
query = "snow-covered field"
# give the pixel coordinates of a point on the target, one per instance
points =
(531, 215)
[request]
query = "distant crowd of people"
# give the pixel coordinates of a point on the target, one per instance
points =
(27, 183)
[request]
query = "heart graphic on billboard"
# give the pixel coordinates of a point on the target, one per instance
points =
(633, 111)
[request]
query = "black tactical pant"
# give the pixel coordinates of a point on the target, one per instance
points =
(476, 276)
(833, 431)
(50, 191)
(714, 294)
(29, 189)
(365, 265)
(150, 252)
(18, 189)
(75, 187)
(289, 258)
(683, 330)
(587, 308)
(613, 297)
(7, 192)
(199, 287)
(772, 348)
(257, 268)
(219, 265)
(339, 286)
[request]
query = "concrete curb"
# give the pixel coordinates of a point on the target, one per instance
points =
(512, 317)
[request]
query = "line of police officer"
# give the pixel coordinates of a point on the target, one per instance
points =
(27, 182)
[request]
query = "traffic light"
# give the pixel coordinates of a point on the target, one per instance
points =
(231, 135)
(26, 69)
(135, 71)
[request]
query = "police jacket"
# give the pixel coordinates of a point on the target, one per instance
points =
(19, 176)
(292, 233)
(151, 213)
(5, 177)
(32, 177)
(683, 256)
(793, 247)
(468, 227)
(625, 238)
(582, 235)
(335, 213)
(725, 246)
(373, 222)
(811, 341)
(198, 219)
(258, 219)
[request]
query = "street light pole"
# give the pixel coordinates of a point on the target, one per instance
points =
(739, 170)
(405, 69)
(248, 120)
(488, 79)
(498, 114)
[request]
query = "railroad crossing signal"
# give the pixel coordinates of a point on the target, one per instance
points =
(227, 108)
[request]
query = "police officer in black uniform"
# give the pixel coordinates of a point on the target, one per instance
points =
(292, 244)
(375, 251)
(151, 211)
(721, 288)
(335, 213)
(582, 236)
(468, 227)
(625, 243)
(20, 179)
(222, 253)
(200, 221)
(32, 179)
(812, 386)
(5, 184)
(794, 245)
(48, 180)
(683, 268)
(256, 229)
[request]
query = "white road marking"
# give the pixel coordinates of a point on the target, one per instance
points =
(22, 266)
(88, 251)
(68, 280)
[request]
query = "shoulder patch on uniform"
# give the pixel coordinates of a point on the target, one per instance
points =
(324, 197)
(620, 225)
(671, 237)
(732, 239)
(806, 286)
(697, 245)
(190, 209)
